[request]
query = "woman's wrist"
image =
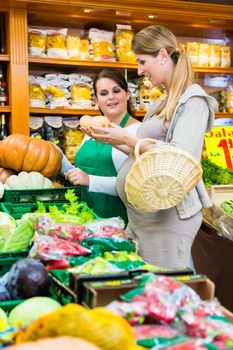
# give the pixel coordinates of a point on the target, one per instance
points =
(131, 140)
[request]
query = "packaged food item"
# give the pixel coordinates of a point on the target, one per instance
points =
(73, 137)
(124, 37)
(73, 46)
(84, 49)
(37, 97)
(54, 130)
(36, 41)
(58, 98)
(192, 50)
(56, 43)
(101, 41)
(215, 56)
(81, 95)
(225, 56)
(37, 127)
(204, 55)
(230, 98)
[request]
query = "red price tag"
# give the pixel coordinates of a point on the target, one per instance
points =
(219, 146)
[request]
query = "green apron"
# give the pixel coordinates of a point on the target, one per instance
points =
(95, 158)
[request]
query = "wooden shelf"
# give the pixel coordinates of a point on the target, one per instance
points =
(76, 111)
(5, 58)
(63, 111)
(220, 115)
(217, 70)
(102, 64)
(5, 109)
(72, 111)
(73, 62)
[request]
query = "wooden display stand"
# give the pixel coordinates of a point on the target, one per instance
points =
(183, 18)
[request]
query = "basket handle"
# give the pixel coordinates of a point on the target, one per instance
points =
(138, 145)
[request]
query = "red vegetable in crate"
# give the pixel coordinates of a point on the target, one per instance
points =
(70, 232)
(52, 248)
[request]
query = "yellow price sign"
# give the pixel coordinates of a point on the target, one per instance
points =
(219, 146)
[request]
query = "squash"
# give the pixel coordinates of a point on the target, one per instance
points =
(24, 180)
(5, 173)
(24, 153)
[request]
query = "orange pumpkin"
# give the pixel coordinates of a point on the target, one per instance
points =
(5, 173)
(24, 153)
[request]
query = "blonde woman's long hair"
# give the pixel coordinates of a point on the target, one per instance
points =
(150, 41)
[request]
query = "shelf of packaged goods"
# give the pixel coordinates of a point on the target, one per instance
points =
(74, 62)
(220, 115)
(5, 109)
(103, 64)
(4, 58)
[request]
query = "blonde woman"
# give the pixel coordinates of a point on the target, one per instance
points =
(179, 119)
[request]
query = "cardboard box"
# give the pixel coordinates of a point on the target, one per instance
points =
(101, 293)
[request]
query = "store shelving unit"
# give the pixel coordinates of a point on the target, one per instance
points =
(186, 19)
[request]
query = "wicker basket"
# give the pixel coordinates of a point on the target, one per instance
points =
(159, 179)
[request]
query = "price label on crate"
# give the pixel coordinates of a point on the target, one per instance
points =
(219, 146)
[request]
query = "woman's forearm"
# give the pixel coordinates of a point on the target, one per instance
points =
(123, 148)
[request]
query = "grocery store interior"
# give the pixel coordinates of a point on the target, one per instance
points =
(116, 174)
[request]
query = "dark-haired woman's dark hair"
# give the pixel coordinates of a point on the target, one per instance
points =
(119, 78)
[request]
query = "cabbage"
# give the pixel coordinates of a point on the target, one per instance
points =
(7, 225)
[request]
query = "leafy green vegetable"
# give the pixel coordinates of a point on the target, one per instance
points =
(19, 238)
(73, 211)
(215, 175)
(227, 206)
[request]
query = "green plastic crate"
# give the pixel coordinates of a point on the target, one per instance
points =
(16, 210)
(8, 259)
(45, 194)
(19, 202)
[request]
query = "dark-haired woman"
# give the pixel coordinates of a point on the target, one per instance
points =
(97, 164)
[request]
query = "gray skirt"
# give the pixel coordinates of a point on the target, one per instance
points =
(163, 238)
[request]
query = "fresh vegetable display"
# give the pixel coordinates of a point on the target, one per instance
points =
(25, 153)
(227, 206)
(215, 175)
(72, 212)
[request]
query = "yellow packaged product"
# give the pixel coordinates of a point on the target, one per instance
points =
(36, 42)
(37, 97)
(204, 55)
(73, 137)
(56, 43)
(230, 98)
(215, 55)
(225, 56)
(81, 95)
(73, 46)
(84, 49)
(101, 41)
(124, 37)
(58, 98)
(192, 50)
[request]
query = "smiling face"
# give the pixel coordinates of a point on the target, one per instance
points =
(158, 69)
(111, 98)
